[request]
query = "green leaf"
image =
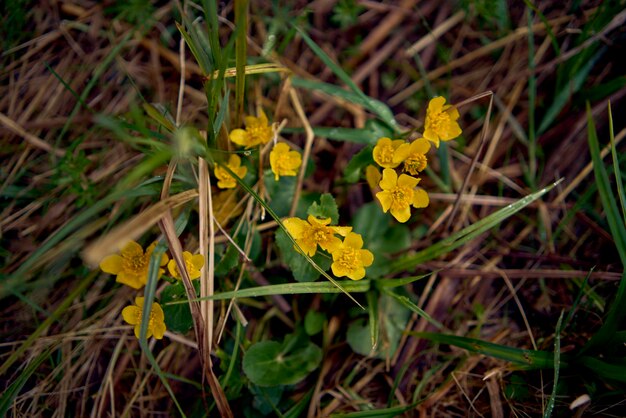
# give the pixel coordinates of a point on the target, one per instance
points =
(327, 208)
(394, 411)
(177, 316)
(11, 392)
(392, 318)
(302, 271)
(363, 158)
(314, 322)
(270, 363)
(281, 192)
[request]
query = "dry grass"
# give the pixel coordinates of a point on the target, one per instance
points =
(508, 286)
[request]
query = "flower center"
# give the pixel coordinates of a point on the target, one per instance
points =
(283, 162)
(401, 196)
(415, 163)
(259, 134)
(348, 259)
(135, 264)
(437, 121)
(386, 154)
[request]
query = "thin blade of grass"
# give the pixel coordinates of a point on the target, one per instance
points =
(241, 43)
(149, 291)
(11, 392)
(467, 234)
(357, 97)
(616, 170)
(527, 358)
(557, 365)
(55, 316)
(372, 311)
(394, 411)
(618, 231)
(379, 108)
(408, 303)
(360, 286)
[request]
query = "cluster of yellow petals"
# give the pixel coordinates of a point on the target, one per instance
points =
(284, 161)
(390, 153)
(315, 231)
(131, 265)
(349, 259)
(193, 264)
(156, 322)
(399, 193)
(224, 179)
(258, 131)
(441, 121)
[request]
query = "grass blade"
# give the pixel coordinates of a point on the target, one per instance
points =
(360, 286)
(375, 106)
(461, 237)
(616, 170)
(241, 43)
(527, 358)
(557, 365)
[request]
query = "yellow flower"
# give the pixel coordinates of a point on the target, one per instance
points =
(416, 160)
(156, 324)
(399, 194)
(388, 153)
(224, 179)
(193, 263)
(349, 259)
(284, 161)
(441, 124)
(131, 267)
(315, 232)
(257, 132)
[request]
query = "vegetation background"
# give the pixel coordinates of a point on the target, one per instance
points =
(525, 318)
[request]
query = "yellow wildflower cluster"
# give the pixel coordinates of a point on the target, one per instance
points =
(399, 193)
(283, 160)
(131, 268)
(349, 259)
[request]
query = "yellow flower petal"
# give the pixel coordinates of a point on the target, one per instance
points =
(373, 176)
(402, 214)
(239, 137)
(420, 146)
(130, 280)
(112, 264)
(367, 257)
(132, 249)
(436, 104)
(132, 315)
(356, 274)
(295, 227)
(390, 179)
(432, 136)
(197, 260)
(401, 153)
(420, 198)
(407, 181)
(353, 240)
(385, 199)
(313, 220)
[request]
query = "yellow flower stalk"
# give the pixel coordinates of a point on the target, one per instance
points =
(399, 193)
(156, 323)
(284, 161)
(315, 232)
(258, 132)
(224, 179)
(416, 161)
(388, 153)
(441, 121)
(349, 259)
(131, 265)
(193, 263)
